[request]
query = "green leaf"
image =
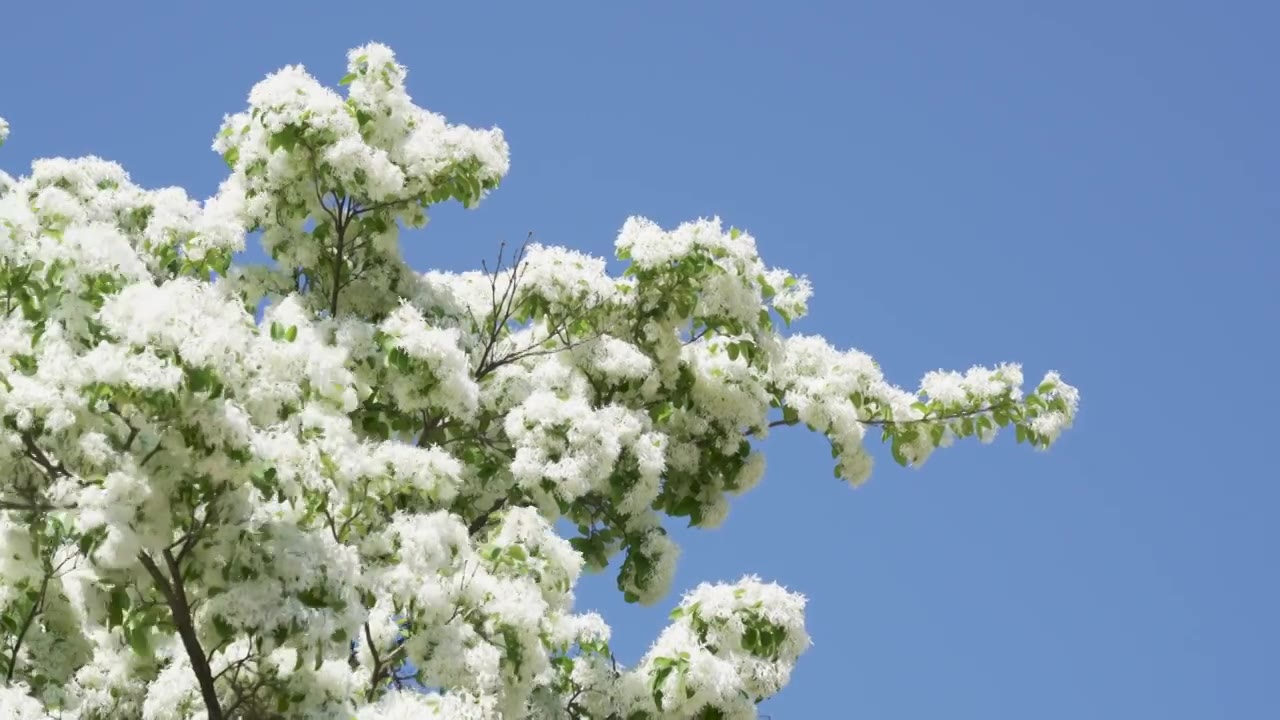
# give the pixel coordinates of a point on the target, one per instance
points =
(936, 433)
(139, 638)
(225, 631)
(347, 79)
(313, 598)
(686, 507)
(291, 334)
(117, 603)
(231, 157)
(287, 139)
(87, 542)
(899, 456)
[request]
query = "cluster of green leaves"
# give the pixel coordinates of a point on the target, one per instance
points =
(664, 668)
(461, 181)
(378, 417)
(138, 621)
(761, 637)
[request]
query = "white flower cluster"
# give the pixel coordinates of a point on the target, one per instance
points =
(329, 487)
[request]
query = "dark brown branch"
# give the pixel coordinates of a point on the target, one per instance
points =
(379, 206)
(315, 179)
(245, 696)
(478, 524)
(534, 351)
(37, 456)
(26, 626)
(340, 224)
(695, 337)
(133, 430)
(193, 535)
(32, 506)
(151, 454)
(502, 309)
(376, 676)
(234, 666)
(340, 229)
(429, 425)
(382, 667)
(176, 597)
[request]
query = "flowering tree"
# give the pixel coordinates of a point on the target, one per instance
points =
(329, 487)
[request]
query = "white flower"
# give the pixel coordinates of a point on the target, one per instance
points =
(15, 702)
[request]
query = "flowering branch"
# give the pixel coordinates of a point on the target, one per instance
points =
(409, 463)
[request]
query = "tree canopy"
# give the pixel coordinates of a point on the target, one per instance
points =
(329, 486)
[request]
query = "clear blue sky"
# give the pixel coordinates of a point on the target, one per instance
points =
(1091, 187)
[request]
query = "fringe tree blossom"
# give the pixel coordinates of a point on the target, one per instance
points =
(328, 487)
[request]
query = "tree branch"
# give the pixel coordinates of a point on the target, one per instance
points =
(376, 676)
(36, 455)
(478, 524)
(918, 421)
(176, 597)
(26, 626)
(31, 506)
(501, 308)
(151, 454)
(340, 228)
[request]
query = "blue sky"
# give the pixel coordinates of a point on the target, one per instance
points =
(1091, 187)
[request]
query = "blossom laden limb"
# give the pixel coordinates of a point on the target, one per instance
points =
(328, 486)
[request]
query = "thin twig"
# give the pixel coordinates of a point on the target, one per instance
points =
(917, 421)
